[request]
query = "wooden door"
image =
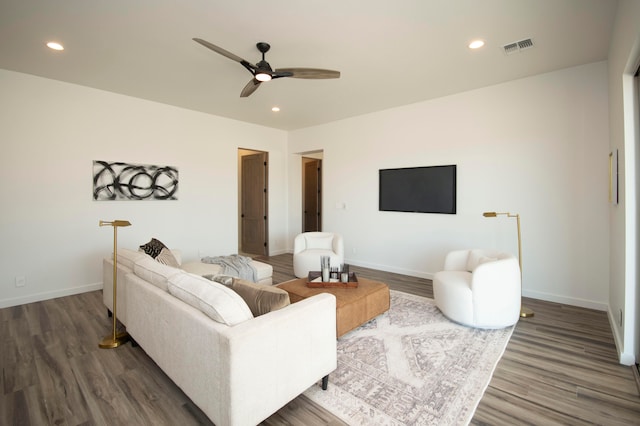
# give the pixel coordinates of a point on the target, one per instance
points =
(312, 195)
(253, 213)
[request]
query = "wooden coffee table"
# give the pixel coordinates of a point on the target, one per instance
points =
(354, 306)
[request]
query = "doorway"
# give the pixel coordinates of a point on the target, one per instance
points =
(253, 202)
(312, 193)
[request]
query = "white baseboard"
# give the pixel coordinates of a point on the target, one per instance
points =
(277, 252)
(624, 357)
(573, 301)
(38, 297)
(386, 268)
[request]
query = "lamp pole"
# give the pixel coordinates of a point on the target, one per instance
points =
(115, 339)
(524, 311)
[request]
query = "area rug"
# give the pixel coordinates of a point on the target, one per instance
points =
(411, 366)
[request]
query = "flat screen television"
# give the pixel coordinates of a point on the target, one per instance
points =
(418, 189)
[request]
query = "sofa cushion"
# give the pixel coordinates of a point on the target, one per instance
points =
(226, 280)
(214, 299)
(153, 247)
(155, 272)
(477, 258)
(261, 298)
(128, 257)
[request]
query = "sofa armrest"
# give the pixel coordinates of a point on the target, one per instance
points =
(277, 356)
(502, 273)
(496, 288)
(299, 243)
(338, 245)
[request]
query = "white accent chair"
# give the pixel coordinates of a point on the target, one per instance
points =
(309, 246)
(479, 288)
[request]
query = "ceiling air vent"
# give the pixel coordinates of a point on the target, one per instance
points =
(517, 46)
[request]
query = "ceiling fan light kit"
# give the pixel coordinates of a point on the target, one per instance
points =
(263, 72)
(263, 76)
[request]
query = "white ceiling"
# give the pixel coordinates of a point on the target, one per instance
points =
(389, 53)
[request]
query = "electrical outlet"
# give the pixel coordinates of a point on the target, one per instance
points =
(620, 318)
(20, 281)
(354, 250)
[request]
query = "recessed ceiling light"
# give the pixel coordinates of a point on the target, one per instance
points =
(55, 46)
(476, 44)
(275, 109)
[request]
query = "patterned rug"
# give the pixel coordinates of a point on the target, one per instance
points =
(411, 366)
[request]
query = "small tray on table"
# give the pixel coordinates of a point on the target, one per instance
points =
(315, 281)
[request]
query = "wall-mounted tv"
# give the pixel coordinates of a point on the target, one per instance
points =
(418, 189)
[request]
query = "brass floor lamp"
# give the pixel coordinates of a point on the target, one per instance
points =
(115, 339)
(524, 311)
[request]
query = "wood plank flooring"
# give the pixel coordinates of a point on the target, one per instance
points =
(560, 367)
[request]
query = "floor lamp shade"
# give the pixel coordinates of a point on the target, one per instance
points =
(524, 311)
(115, 339)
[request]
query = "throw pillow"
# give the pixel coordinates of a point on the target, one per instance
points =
(324, 242)
(166, 257)
(153, 247)
(477, 258)
(213, 299)
(486, 259)
(226, 280)
(473, 259)
(261, 298)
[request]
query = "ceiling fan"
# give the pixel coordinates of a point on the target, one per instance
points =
(262, 71)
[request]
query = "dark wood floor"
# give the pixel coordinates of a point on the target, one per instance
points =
(560, 367)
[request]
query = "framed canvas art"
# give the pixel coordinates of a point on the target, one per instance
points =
(124, 181)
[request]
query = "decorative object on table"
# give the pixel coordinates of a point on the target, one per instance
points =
(115, 339)
(334, 273)
(325, 265)
(344, 273)
(315, 280)
(524, 311)
(411, 366)
(124, 181)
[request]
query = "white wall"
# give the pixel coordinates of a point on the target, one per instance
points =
(537, 146)
(50, 132)
(624, 291)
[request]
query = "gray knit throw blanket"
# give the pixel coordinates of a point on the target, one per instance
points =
(234, 265)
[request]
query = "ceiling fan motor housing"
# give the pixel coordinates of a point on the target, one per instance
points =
(263, 47)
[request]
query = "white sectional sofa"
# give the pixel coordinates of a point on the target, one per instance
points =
(239, 369)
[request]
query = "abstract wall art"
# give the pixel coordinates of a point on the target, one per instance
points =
(124, 181)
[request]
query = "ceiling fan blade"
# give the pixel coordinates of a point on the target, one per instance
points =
(308, 73)
(251, 87)
(220, 50)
